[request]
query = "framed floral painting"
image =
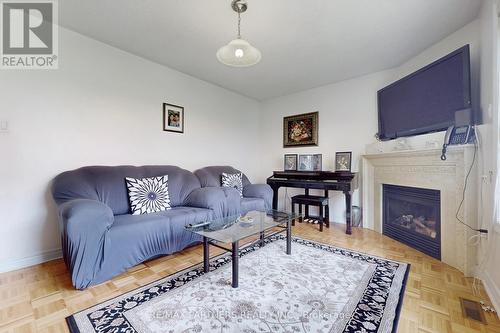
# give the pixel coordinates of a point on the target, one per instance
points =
(300, 130)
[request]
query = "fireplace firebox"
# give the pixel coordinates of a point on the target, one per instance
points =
(412, 216)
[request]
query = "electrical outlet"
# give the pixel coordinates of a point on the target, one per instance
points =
(490, 111)
(4, 126)
(488, 178)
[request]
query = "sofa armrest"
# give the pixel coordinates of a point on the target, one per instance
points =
(85, 224)
(262, 191)
(84, 215)
(221, 201)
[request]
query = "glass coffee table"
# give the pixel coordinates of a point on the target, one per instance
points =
(233, 229)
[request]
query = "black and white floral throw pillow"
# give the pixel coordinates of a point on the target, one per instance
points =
(148, 195)
(234, 180)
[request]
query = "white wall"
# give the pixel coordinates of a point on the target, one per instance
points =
(347, 122)
(348, 113)
(103, 106)
(489, 253)
(469, 34)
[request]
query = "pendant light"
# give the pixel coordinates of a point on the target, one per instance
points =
(239, 52)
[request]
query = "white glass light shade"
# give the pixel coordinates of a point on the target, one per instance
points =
(239, 53)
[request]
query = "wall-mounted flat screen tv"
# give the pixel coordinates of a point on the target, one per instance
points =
(426, 100)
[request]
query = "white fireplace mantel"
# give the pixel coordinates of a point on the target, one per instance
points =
(425, 169)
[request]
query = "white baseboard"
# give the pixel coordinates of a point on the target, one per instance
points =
(14, 264)
(492, 290)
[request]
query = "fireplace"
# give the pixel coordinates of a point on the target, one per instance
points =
(412, 216)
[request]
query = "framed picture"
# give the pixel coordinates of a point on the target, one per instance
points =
(173, 118)
(300, 130)
(317, 162)
(290, 163)
(343, 161)
(305, 162)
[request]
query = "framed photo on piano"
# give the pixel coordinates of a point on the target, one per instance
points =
(317, 162)
(305, 163)
(343, 161)
(310, 162)
(290, 163)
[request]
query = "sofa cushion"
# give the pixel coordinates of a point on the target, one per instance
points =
(140, 237)
(233, 180)
(211, 176)
(107, 184)
(148, 195)
(133, 239)
(178, 215)
(248, 204)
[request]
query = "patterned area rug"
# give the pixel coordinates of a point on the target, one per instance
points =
(319, 288)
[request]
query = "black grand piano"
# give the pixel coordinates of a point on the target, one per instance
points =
(343, 181)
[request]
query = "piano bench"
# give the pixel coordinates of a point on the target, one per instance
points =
(313, 200)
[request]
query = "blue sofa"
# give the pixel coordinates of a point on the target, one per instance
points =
(255, 196)
(101, 239)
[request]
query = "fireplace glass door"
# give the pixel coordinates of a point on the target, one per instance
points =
(412, 216)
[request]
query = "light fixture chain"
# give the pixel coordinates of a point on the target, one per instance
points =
(239, 25)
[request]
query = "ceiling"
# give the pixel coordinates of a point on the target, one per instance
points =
(304, 43)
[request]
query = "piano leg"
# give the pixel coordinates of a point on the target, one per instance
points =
(348, 212)
(306, 192)
(327, 210)
(275, 196)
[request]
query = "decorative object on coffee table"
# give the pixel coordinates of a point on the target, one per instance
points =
(290, 162)
(300, 130)
(343, 161)
(173, 118)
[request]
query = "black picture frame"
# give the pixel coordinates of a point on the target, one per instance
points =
(290, 162)
(317, 162)
(305, 162)
(306, 123)
(173, 118)
(343, 161)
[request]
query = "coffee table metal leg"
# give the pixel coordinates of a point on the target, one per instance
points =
(261, 238)
(289, 237)
(235, 258)
(206, 255)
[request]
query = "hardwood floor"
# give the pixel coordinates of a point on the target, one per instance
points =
(38, 298)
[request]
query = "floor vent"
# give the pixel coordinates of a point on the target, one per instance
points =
(472, 310)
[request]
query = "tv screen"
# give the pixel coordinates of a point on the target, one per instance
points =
(426, 100)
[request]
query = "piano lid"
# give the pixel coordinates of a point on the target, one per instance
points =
(316, 175)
